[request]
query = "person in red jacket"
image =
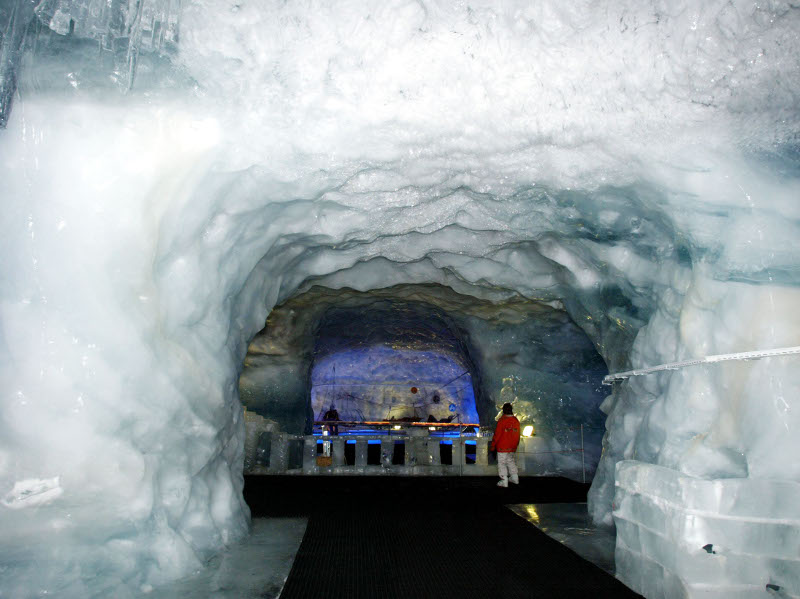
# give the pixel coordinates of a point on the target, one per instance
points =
(505, 441)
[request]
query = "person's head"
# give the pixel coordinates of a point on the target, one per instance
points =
(508, 408)
(333, 407)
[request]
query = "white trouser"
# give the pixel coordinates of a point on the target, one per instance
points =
(507, 466)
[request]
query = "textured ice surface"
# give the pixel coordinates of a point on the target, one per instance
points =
(401, 384)
(682, 536)
(632, 162)
(32, 493)
(391, 360)
(256, 568)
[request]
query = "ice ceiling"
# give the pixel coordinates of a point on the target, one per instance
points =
(169, 174)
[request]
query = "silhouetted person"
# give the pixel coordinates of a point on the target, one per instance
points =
(332, 415)
(505, 441)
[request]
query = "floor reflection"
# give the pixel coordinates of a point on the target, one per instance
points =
(256, 568)
(570, 525)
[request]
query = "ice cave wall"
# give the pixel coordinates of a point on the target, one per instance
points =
(388, 360)
(636, 162)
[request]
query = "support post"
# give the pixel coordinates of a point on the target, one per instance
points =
(310, 455)
(583, 456)
(338, 451)
(434, 451)
(361, 453)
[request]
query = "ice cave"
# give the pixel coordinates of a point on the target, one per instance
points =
(414, 210)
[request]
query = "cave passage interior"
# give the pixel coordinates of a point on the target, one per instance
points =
(209, 205)
(394, 363)
(426, 353)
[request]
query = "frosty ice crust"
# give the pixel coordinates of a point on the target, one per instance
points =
(678, 535)
(629, 164)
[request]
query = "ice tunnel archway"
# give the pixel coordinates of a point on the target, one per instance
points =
(395, 361)
(146, 236)
(416, 394)
(527, 353)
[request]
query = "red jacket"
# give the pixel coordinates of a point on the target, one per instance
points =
(506, 435)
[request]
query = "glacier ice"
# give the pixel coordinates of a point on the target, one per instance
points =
(172, 171)
(390, 361)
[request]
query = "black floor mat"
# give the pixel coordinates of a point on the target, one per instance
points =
(416, 538)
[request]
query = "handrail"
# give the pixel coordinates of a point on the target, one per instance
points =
(391, 423)
(750, 355)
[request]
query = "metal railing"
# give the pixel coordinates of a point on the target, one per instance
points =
(749, 355)
(423, 454)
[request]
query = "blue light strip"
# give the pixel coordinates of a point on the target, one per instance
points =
(388, 433)
(392, 433)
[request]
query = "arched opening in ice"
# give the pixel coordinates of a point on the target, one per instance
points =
(377, 383)
(526, 352)
(391, 361)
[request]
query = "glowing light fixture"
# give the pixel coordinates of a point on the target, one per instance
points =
(527, 431)
(397, 427)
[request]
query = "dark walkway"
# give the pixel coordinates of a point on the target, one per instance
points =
(374, 538)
